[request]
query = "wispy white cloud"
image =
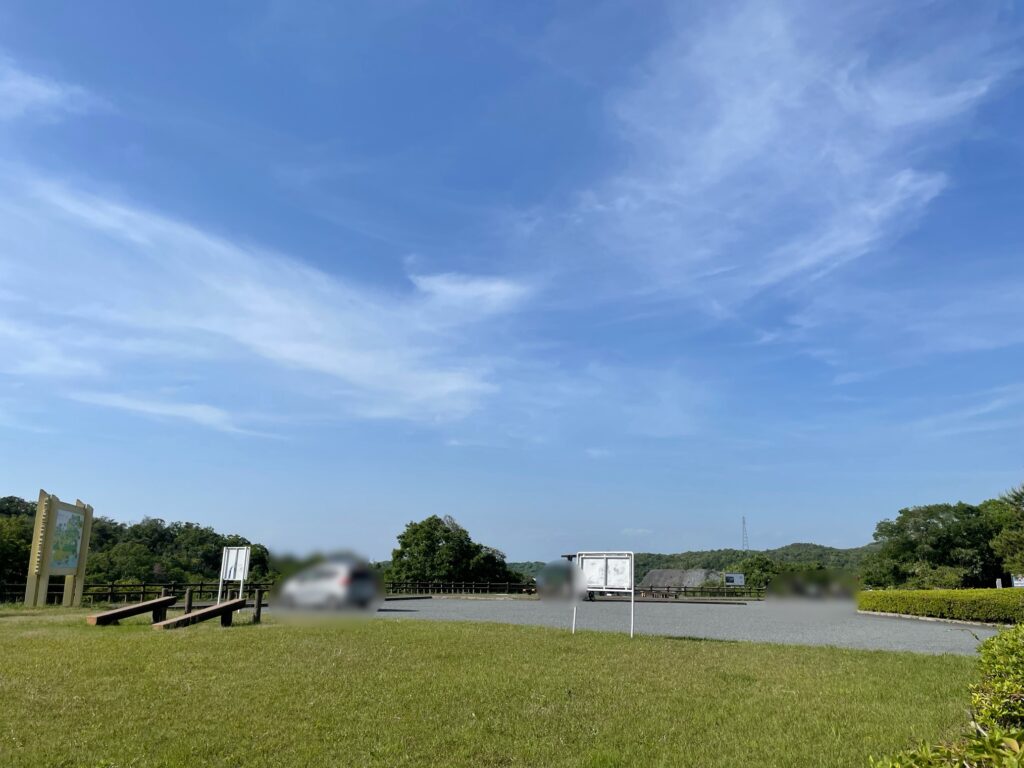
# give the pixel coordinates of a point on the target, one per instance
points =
(863, 332)
(765, 147)
(123, 272)
(471, 293)
(26, 350)
(198, 413)
(993, 410)
(23, 94)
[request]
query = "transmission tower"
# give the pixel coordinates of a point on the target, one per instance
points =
(746, 543)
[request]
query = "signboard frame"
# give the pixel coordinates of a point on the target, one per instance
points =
(1017, 580)
(59, 548)
(734, 579)
(234, 566)
(608, 571)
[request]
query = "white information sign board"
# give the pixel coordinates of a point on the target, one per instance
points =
(1018, 580)
(607, 572)
(234, 566)
(735, 580)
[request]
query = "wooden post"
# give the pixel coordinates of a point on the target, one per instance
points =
(258, 610)
(188, 600)
(225, 618)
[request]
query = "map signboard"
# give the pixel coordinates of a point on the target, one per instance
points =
(60, 544)
(735, 580)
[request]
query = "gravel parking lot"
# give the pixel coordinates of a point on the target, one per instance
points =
(801, 623)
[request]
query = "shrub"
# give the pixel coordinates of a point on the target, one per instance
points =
(998, 606)
(998, 698)
(997, 736)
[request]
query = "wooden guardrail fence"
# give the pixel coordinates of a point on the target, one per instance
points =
(112, 592)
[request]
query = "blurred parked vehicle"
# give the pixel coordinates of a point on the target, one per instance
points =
(561, 580)
(336, 583)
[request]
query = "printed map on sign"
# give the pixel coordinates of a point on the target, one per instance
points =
(619, 573)
(607, 571)
(67, 538)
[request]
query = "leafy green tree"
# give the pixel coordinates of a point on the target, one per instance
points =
(758, 569)
(16, 519)
(938, 544)
(1009, 542)
(150, 550)
(1015, 498)
(15, 544)
(439, 549)
(125, 561)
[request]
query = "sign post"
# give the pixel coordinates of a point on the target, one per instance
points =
(60, 545)
(234, 566)
(607, 572)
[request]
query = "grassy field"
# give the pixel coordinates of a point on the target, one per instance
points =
(403, 693)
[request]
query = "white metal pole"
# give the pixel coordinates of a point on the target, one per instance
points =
(632, 599)
(574, 618)
(220, 584)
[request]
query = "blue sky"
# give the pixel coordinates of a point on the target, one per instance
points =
(579, 274)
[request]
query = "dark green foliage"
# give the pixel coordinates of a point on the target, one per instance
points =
(759, 569)
(996, 737)
(529, 568)
(937, 546)
(150, 550)
(997, 606)
(439, 549)
(814, 555)
(16, 519)
(1009, 542)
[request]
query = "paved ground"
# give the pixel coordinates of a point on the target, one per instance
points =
(804, 623)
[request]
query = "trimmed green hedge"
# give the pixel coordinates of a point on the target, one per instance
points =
(997, 606)
(996, 738)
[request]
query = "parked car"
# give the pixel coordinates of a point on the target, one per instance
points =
(561, 580)
(333, 584)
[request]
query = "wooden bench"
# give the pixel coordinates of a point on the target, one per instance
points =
(157, 607)
(224, 610)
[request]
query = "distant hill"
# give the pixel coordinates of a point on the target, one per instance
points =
(724, 559)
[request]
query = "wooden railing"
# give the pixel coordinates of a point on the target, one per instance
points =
(112, 593)
(459, 588)
(682, 593)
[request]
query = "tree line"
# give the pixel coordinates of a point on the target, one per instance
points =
(950, 545)
(150, 550)
(937, 545)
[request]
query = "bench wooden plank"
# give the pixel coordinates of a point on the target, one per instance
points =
(158, 608)
(224, 610)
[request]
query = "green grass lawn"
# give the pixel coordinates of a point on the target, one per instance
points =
(402, 693)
